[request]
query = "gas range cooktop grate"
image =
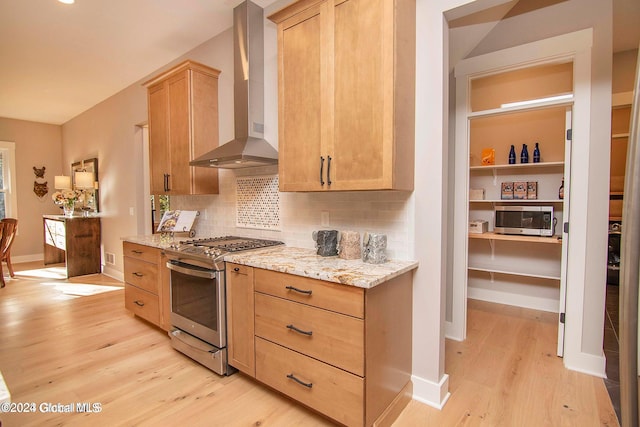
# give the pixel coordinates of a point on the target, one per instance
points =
(231, 243)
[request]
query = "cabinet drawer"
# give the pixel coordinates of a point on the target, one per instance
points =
(142, 252)
(142, 303)
(332, 391)
(330, 296)
(330, 337)
(141, 274)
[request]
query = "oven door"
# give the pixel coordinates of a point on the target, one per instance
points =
(198, 302)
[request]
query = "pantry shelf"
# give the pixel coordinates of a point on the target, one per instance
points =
(516, 238)
(514, 273)
(536, 201)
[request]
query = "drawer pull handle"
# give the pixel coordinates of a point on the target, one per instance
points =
(293, 377)
(137, 252)
(300, 331)
(293, 288)
(236, 269)
(139, 303)
(137, 274)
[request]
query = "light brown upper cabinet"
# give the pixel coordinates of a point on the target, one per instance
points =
(183, 124)
(346, 95)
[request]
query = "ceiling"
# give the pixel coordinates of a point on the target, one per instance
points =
(60, 60)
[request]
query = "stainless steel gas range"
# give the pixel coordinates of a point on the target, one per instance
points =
(198, 296)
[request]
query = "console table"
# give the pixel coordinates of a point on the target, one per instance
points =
(74, 241)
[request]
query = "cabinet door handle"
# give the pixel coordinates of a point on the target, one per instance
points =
(164, 182)
(139, 303)
(167, 188)
(137, 274)
(302, 291)
(328, 170)
(293, 377)
(236, 269)
(321, 170)
(300, 331)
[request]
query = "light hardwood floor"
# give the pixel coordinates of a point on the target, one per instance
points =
(67, 341)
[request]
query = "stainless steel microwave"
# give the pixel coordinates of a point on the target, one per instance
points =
(526, 220)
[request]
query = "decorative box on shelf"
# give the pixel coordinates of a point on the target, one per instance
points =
(478, 226)
(532, 190)
(476, 194)
(519, 190)
(506, 191)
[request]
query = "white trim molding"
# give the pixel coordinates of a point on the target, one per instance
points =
(430, 393)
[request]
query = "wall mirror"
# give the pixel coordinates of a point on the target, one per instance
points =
(84, 176)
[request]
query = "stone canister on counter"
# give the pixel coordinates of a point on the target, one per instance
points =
(326, 242)
(374, 248)
(349, 245)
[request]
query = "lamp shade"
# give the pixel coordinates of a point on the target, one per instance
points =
(84, 180)
(62, 182)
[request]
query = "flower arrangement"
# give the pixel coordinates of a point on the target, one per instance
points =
(66, 198)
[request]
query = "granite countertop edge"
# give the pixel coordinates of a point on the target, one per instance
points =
(305, 262)
(154, 240)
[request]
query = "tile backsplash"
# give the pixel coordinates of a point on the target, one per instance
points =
(299, 214)
(258, 202)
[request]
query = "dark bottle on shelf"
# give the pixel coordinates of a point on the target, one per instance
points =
(524, 154)
(536, 154)
(512, 155)
(561, 190)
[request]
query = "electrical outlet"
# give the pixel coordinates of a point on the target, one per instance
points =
(132, 211)
(324, 218)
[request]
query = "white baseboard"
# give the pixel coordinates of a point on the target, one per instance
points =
(113, 273)
(430, 393)
(586, 363)
(451, 333)
(525, 301)
(27, 258)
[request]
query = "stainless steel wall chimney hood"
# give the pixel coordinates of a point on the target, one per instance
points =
(248, 148)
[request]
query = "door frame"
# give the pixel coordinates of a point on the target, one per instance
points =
(574, 47)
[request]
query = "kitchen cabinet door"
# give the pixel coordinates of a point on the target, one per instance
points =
(301, 107)
(240, 318)
(158, 137)
(183, 125)
(179, 133)
(346, 95)
(362, 153)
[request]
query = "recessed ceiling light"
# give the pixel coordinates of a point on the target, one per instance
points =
(67, 1)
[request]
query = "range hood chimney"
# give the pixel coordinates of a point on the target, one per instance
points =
(248, 148)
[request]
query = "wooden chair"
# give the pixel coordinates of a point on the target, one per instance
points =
(9, 227)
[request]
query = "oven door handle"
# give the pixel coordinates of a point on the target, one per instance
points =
(191, 272)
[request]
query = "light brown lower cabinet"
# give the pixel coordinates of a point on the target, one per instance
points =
(146, 287)
(340, 350)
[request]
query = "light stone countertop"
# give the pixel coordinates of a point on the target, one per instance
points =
(153, 240)
(304, 262)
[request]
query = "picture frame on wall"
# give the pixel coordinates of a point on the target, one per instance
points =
(88, 165)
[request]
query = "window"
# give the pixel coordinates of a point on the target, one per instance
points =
(8, 199)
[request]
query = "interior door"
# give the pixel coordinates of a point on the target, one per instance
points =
(565, 235)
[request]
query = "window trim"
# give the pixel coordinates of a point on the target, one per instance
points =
(11, 194)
